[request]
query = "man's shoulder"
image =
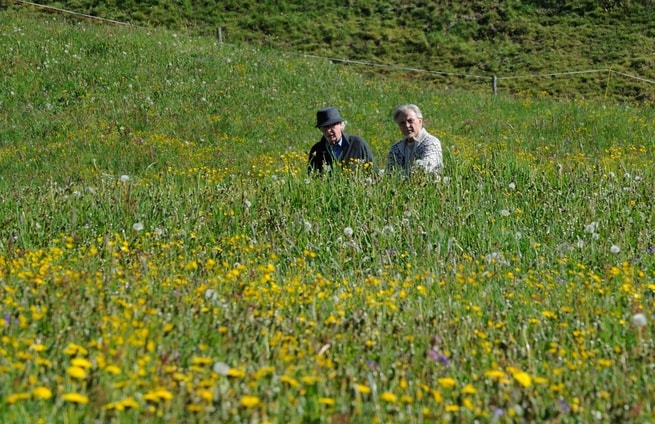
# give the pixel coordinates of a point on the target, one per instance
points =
(319, 145)
(352, 138)
(397, 145)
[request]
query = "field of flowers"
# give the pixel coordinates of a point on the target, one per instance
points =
(164, 256)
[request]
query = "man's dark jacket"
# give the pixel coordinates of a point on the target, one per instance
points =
(355, 152)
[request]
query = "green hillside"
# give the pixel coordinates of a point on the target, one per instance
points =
(454, 44)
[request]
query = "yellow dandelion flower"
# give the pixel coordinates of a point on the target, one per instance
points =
(11, 399)
(114, 406)
(82, 363)
(195, 408)
(549, 314)
(42, 393)
(158, 395)
(249, 401)
(605, 362)
(540, 380)
(437, 396)
(236, 373)
(406, 399)
(199, 360)
(38, 347)
(388, 397)
(130, 403)
(151, 397)
(113, 369)
(76, 398)
(523, 378)
(494, 374)
(74, 349)
(326, 401)
(309, 380)
(467, 403)
(76, 372)
(469, 390)
(164, 394)
(452, 408)
(290, 381)
(205, 395)
(263, 372)
(360, 388)
(447, 382)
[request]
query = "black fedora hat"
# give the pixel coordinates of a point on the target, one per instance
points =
(328, 116)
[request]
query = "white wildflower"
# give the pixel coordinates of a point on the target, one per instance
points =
(512, 186)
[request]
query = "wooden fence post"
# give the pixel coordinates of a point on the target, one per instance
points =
(219, 35)
(494, 86)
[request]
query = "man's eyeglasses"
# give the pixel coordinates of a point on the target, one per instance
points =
(410, 121)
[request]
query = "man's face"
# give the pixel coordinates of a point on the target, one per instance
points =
(332, 133)
(410, 124)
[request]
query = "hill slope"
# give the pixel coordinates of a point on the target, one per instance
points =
(462, 44)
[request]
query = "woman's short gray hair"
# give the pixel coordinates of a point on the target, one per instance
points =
(402, 108)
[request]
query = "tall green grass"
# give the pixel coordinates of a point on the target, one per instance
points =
(165, 257)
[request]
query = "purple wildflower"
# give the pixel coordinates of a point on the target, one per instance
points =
(565, 406)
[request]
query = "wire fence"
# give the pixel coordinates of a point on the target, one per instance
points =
(493, 79)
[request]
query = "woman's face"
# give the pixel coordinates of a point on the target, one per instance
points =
(410, 124)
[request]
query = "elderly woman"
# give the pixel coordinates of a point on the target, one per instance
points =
(418, 149)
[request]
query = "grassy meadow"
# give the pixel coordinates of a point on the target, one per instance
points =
(164, 256)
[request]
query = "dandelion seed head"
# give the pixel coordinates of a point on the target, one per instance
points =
(591, 227)
(615, 249)
(221, 368)
(210, 294)
(639, 320)
(125, 178)
(512, 186)
(137, 226)
(348, 232)
(504, 212)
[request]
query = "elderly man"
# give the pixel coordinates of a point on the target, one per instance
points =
(418, 149)
(336, 146)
